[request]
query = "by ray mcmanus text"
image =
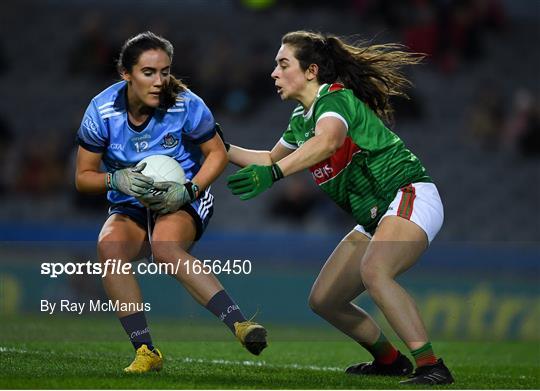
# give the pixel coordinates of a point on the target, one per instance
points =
(75, 307)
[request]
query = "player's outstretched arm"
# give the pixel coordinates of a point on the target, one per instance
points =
(330, 134)
(244, 157)
(252, 180)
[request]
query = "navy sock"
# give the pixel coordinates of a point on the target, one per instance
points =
(137, 330)
(225, 309)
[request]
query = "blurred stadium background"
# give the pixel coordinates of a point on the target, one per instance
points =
(474, 120)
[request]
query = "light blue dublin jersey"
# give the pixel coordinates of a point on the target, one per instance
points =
(176, 132)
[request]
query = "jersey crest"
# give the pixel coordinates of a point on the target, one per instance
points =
(169, 141)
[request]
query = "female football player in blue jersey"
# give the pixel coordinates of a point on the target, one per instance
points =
(337, 131)
(150, 112)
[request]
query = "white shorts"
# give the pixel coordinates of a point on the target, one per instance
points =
(419, 203)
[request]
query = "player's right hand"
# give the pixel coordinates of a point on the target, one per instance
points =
(130, 181)
(252, 180)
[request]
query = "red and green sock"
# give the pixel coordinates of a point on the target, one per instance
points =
(424, 355)
(382, 350)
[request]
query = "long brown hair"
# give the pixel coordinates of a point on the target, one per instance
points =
(373, 72)
(137, 45)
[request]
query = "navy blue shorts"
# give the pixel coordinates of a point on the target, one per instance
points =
(200, 210)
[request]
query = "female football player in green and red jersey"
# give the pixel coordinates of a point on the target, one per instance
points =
(337, 131)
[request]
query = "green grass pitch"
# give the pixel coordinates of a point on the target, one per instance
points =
(84, 352)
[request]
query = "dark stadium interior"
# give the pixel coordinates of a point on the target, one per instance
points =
(473, 118)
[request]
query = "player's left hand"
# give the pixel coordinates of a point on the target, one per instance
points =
(252, 180)
(174, 196)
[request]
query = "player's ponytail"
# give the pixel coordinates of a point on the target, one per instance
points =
(170, 91)
(373, 72)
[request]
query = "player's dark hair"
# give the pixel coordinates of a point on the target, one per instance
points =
(371, 71)
(137, 45)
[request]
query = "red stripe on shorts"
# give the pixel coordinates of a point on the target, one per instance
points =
(406, 204)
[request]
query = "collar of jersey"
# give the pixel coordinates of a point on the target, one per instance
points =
(308, 115)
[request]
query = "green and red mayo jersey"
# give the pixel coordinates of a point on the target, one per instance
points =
(365, 173)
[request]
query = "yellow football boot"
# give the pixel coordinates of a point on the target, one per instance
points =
(145, 361)
(252, 335)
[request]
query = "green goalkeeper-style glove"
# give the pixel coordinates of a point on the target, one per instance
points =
(129, 181)
(172, 197)
(252, 180)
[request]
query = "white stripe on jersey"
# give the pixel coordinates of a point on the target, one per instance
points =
(105, 105)
(297, 114)
(176, 110)
(106, 110)
(335, 115)
(114, 113)
(286, 144)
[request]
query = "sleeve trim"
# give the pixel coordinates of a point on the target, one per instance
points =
(90, 147)
(286, 144)
(335, 115)
(206, 137)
